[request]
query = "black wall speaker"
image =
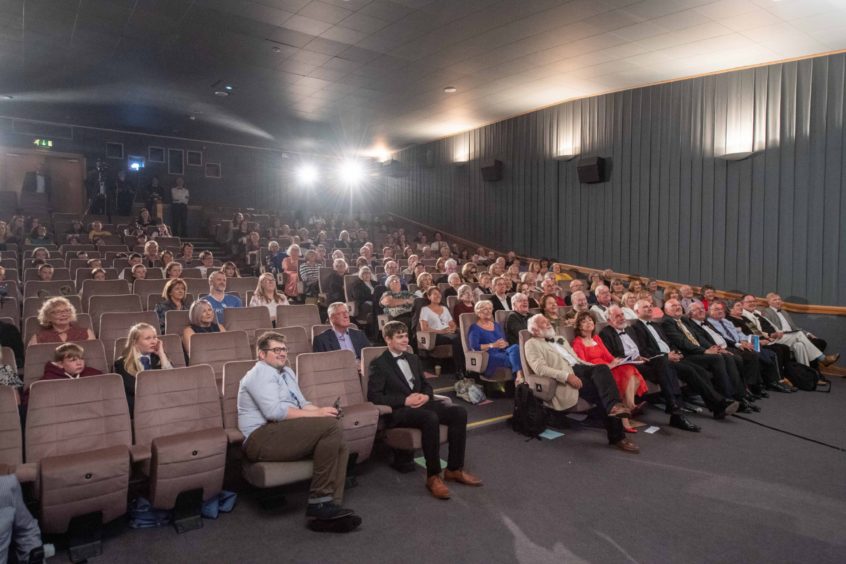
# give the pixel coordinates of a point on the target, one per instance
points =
(591, 170)
(491, 170)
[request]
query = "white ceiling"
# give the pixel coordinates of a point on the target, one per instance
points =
(373, 71)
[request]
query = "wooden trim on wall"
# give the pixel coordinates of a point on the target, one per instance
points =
(791, 307)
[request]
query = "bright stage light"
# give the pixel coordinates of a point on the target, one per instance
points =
(307, 174)
(351, 172)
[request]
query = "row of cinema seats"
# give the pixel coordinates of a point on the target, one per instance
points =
(80, 452)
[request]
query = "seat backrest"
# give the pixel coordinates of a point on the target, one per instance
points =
(232, 374)
(76, 416)
(176, 321)
(465, 320)
(9, 307)
(501, 315)
(368, 355)
(192, 273)
(115, 325)
(103, 288)
(172, 345)
(31, 325)
(178, 400)
(317, 330)
(11, 443)
(246, 318)
(297, 315)
(58, 274)
(525, 335)
(197, 286)
(7, 356)
(349, 280)
(325, 376)
(323, 278)
(153, 273)
(39, 355)
(148, 287)
(99, 305)
(32, 305)
(216, 349)
(297, 341)
(52, 288)
(450, 302)
(240, 285)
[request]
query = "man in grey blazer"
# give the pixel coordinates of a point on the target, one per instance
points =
(783, 323)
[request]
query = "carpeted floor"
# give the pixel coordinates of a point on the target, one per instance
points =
(737, 492)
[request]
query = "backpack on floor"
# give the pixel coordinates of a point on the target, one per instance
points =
(529, 416)
(803, 377)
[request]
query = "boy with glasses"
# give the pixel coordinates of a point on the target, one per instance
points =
(280, 425)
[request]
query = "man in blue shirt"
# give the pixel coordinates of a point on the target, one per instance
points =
(341, 335)
(218, 298)
(280, 425)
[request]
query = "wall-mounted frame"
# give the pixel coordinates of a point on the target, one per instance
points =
(155, 154)
(114, 150)
(176, 162)
(213, 170)
(194, 158)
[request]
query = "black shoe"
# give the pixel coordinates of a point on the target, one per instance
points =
(342, 525)
(763, 393)
(745, 406)
(680, 422)
(327, 511)
(779, 387)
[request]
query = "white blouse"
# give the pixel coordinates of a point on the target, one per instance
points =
(436, 322)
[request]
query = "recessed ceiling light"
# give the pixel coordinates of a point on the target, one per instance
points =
(221, 93)
(450, 89)
(228, 88)
(192, 118)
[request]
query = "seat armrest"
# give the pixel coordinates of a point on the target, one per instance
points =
(426, 340)
(27, 472)
(543, 387)
(384, 409)
(476, 361)
(234, 436)
(139, 453)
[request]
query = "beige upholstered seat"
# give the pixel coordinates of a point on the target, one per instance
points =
(176, 321)
(477, 361)
(246, 318)
(126, 303)
(31, 325)
(179, 432)
(53, 288)
(297, 342)
(259, 474)
(115, 325)
(77, 448)
(216, 349)
(103, 288)
(326, 377)
(297, 315)
(11, 444)
(148, 287)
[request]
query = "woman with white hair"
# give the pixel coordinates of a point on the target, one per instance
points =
(201, 319)
(291, 268)
(396, 302)
(57, 323)
(488, 336)
(362, 293)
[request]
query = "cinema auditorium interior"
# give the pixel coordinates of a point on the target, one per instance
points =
(514, 281)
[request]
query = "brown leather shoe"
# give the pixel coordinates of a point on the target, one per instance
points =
(461, 477)
(436, 485)
(619, 410)
(830, 359)
(627, 446)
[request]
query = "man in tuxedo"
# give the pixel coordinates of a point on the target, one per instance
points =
(745, 361)
(396, 380)
(783, 323)
(652, 341)
(499, 299)
(682, 334)
(340, 335)
(620, 341)
(551, 356)
(38, 181)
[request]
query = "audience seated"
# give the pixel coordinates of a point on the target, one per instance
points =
(334, 289)
(201, 319)
(518, 319)
(486, 335)
(173, 296)
(143, 351)
(396, 302)
(396, 379)
(500, 299)
(790, 332)
(218, 298)
(279, 424)
(603, 302)
(68, 362)
(550, 355)
(291, 270)
(267, 295)
(340, 335)
(57, 323)
(436, 318)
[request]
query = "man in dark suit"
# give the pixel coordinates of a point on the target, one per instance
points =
(38, 182)
(682, 336)
(340, 335)
(652, 341)
(500, 299)
(518, 319)
(620, 341)
(396, 380)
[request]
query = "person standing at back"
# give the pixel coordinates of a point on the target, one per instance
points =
(179, 195)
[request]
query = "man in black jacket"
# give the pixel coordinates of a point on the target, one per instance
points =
(652, 341)
(681, 334)
(518, 319)
(396, 380)
(620, 341)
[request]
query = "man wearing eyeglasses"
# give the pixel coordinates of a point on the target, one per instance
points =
(280, 425)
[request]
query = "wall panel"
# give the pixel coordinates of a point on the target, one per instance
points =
(671, 206)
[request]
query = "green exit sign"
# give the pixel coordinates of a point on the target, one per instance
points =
(43, 143)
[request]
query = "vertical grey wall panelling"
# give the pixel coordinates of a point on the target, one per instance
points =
(834, 218)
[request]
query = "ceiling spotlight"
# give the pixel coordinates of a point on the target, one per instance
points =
(228, 88)
(192, 118)
(275, 49)
(450, 89)
(221, 93)
(351, 172)
(7, 97)
(307, 174)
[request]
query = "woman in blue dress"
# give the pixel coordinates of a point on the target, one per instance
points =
(487, 335)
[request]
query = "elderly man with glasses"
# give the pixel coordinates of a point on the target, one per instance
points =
(280, 425)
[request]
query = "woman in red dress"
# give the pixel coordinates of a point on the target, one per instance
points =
(629, 381)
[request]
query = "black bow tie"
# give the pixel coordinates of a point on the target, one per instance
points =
(621, 332)
(402, 356)
(559, 340)
(649, 323)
